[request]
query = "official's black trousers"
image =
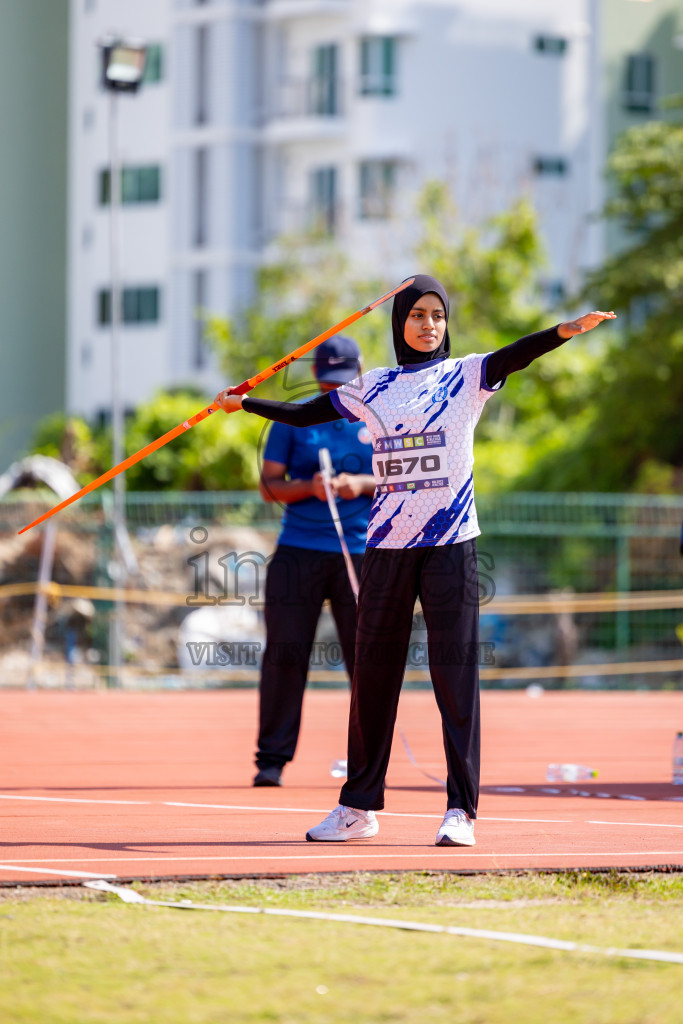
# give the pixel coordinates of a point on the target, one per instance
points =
(446, 581)
(297, 583)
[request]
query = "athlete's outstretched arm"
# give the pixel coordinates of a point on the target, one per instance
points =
(305, 414)
(520, 354)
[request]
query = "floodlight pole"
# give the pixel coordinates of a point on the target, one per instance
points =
(117, 630)
(122, 71)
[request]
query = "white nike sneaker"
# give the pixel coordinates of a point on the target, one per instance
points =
(457, 829)
(344, 823)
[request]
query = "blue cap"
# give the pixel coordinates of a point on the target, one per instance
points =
(337, 360)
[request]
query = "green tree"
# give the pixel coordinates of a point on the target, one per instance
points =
(630, 435)
(308, 289)
(220, 453)
(491, 274)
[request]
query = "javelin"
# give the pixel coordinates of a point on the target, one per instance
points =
(326, 472)
(239, 389)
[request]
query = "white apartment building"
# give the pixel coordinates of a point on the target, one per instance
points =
(262, 116)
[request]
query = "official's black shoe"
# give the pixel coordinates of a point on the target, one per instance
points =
(268, 777)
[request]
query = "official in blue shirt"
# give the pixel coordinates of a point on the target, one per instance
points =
(308, 566)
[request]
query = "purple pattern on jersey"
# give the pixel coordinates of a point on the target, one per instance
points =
(434, 416)
(441, 522)
(444, 384)
(382, 384)
(376, 506)
(457, 387)
(381, 532)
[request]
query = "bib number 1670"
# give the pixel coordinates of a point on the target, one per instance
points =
(407, 464)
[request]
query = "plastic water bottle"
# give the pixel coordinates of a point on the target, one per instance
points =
(677, 772)
(338, 769)
(569, 773)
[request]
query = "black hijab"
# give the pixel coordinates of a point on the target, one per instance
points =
(403, 303)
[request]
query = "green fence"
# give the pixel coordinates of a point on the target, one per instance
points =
(531, 544)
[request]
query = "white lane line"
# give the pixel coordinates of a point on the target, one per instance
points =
(638, 824)
(72, 800)
(384, 814)
(251, 807)
(423, 854)
(539, 821)
(49, 871)
(314, 810)
(131, 896)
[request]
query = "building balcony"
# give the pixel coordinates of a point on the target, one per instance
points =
(284, 10)
(318, 221)
(307, 108)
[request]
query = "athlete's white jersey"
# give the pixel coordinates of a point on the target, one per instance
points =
(422, 421)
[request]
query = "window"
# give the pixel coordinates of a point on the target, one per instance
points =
(639, 85)
(201, 160)
(104, 306)
(154, 64)
(324, 85)
(378, 66)
(199, 347)
(376, 189)
(324, 198)
(552, 293)
(138, 306)
(138, 185)
(553, 45)
(201, 115)
(551, 165)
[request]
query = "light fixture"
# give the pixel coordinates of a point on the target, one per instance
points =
(123, 64)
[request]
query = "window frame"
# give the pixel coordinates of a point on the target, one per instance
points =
(133, 190)
(639, 97)
(378, 66)
(140, 306)
(376, 185)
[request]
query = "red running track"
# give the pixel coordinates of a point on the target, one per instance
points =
(138, 785)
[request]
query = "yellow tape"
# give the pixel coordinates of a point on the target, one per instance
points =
(251, 675)
(550, 604)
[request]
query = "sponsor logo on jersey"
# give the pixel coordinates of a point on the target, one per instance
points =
(440, 395)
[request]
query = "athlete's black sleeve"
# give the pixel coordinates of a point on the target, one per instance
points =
(306, 414)
(520, 353)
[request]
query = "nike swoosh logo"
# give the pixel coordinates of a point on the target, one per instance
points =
(350, 823)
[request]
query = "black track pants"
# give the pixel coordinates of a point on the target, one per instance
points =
(445, 579)
(298, 582)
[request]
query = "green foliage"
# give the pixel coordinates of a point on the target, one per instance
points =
(489, 272)
(307, 290)
(219, 454)
(75, 442)
(630, 435)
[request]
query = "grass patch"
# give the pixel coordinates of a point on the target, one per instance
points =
(72, 955)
